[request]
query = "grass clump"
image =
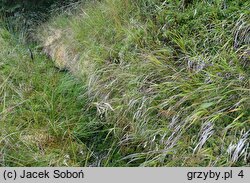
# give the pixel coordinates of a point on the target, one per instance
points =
(169, 80)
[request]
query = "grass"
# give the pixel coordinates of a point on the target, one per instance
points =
(137, 83)
(41, 110)
(168, 78)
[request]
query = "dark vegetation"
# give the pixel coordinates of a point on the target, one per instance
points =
(10, 7)
(21, 17)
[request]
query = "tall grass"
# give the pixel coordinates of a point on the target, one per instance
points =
(169, 82)
(155, 83)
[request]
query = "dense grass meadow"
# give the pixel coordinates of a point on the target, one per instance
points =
(126, 83)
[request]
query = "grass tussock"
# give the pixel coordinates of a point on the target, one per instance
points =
(169, 80)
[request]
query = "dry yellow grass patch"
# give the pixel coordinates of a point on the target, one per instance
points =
(64, 55)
